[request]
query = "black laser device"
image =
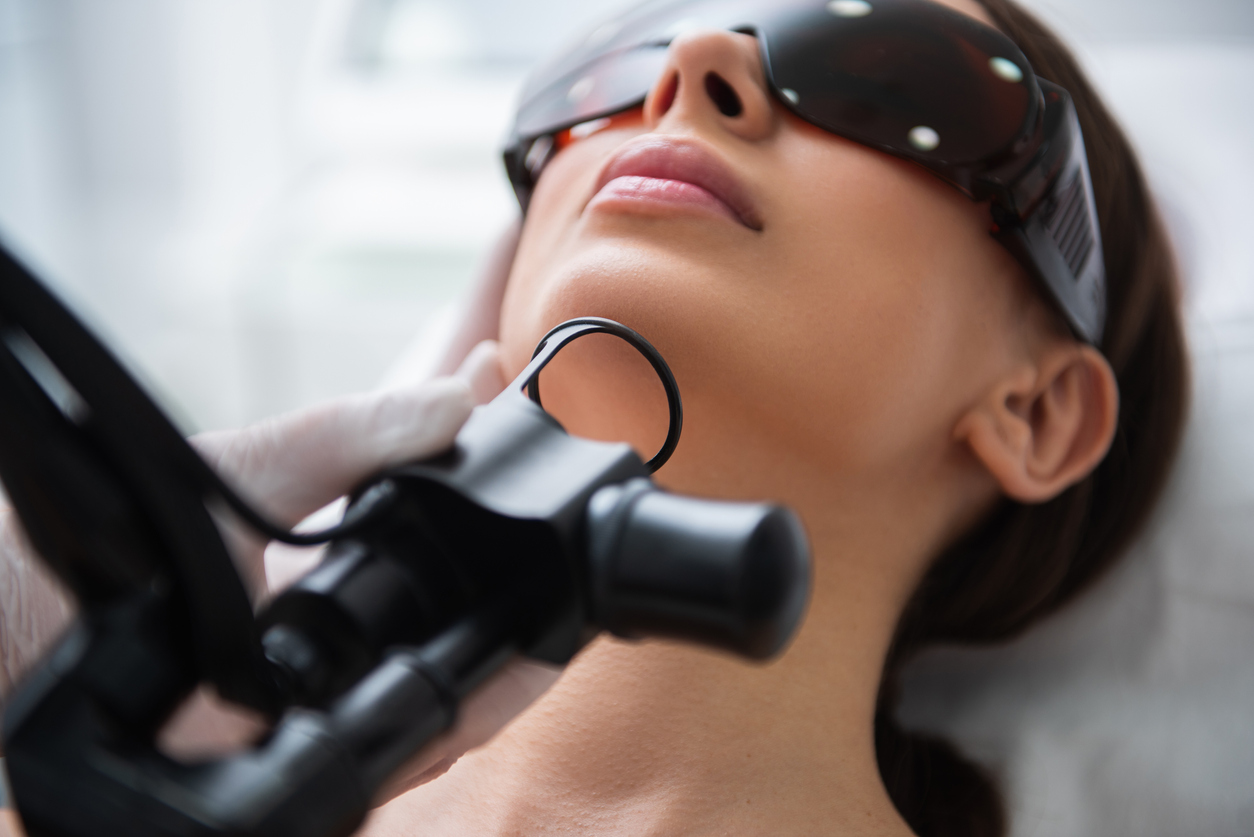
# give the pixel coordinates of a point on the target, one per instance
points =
(521, 539)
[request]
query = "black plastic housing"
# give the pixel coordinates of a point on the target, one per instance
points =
(440, 573)
(721, 574)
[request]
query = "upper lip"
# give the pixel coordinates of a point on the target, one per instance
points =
(675, 158)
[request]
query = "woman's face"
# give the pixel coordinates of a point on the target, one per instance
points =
(823, 305)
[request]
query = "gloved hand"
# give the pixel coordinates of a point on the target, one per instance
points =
(292, 466)
(289, 467)
(299, 463)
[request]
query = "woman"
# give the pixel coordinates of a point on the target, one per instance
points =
(966, 451)
(851, 341)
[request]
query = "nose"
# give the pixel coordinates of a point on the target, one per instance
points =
(713, 77)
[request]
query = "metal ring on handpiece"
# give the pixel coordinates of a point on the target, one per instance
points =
(560, 336)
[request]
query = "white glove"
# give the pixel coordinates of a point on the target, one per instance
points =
(289, 467)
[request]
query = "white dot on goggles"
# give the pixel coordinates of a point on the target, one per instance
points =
(1005, 69)
(924, 138)
(789, 94)
(849, 8)
(580, 89)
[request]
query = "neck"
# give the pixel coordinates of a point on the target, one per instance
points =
(659, 738)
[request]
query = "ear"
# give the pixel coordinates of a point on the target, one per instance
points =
(1046, 425)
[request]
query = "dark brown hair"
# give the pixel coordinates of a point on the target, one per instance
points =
(1023, 562)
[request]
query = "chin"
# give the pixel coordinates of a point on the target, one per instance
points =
(651, 289)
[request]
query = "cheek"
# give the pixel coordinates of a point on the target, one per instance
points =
(546, 242)
(868, 332)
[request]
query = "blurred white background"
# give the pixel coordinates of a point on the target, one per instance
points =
(261, 203)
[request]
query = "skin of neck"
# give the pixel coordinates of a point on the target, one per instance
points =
(659, 737)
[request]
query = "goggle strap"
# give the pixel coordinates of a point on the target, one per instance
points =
(1052, 226)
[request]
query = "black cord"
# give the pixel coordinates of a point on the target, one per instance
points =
(377, 500)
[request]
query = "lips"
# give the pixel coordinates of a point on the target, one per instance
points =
(675, 171)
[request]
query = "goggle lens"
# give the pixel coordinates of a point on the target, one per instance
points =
(910, 78)
(614, 83)
(907, 76)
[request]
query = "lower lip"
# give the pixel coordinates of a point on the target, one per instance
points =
(648, 192)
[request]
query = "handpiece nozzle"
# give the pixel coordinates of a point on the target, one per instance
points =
(732, 575)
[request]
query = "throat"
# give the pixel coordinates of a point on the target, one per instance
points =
(653, 738)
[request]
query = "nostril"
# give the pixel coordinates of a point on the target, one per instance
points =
(723, 95)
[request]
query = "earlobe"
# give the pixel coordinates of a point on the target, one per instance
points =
(1046, 426)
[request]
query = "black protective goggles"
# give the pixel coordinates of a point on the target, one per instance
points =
(909, 77)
